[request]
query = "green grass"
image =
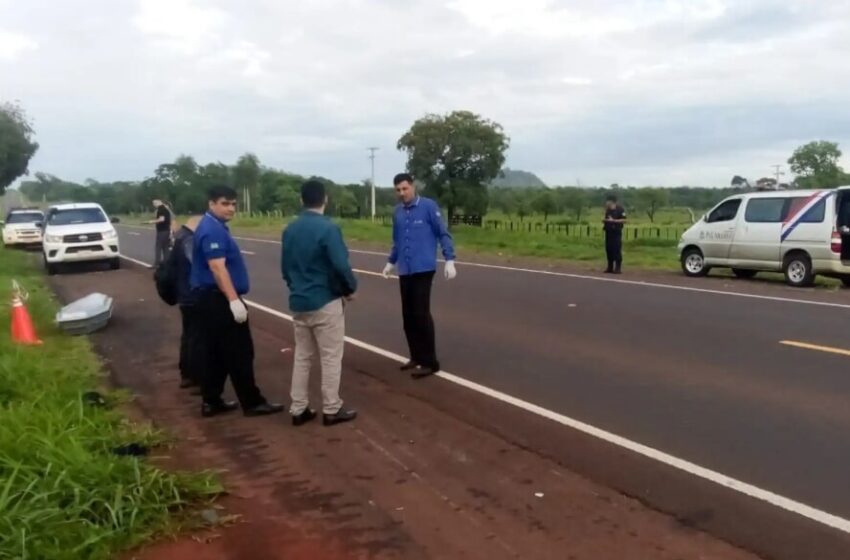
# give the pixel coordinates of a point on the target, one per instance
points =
(63, 493)
(649, 253)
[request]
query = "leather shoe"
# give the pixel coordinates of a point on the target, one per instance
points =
(210, 409)
(422, 371)
(304, 417)
(409, 365)
(341, 415)
(264, 409)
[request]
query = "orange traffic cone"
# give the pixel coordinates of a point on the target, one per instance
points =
(23, 331)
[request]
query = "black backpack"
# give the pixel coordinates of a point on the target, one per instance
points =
(166, 277)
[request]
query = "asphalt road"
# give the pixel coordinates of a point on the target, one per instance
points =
(698, 375)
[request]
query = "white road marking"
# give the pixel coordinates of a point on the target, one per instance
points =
(602, 279)
(247, 252)
(718, 478)
(132, 260)
(807, 346)
(136, 233)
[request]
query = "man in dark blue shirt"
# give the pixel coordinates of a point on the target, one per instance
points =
(417, 228)
(220, 279)
(314, 264)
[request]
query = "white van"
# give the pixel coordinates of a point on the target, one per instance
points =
(798, 233)
(79, 233)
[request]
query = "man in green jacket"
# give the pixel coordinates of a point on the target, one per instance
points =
(314, 263)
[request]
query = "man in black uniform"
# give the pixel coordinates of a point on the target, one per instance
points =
(162, 219)
(615, 217)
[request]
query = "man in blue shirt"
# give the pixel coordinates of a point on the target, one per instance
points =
(417, 228)
(220, 279)
(314, 264)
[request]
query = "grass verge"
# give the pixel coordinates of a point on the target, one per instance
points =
(644, 253)
(63, 493)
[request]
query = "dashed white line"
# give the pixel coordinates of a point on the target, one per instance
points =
(804, 510)
(247, 252)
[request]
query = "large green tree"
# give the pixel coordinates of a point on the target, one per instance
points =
(455, 156)
(16, 144)
(816, 165)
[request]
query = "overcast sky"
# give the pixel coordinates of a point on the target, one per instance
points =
(661, 92)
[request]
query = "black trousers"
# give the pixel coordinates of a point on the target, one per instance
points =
(162, 247)
(229, 351)
(192, 347)
(418, 323)
(614, 248)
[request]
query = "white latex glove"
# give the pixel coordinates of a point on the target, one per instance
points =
(450, 271)
(240, 312)
(389, 269)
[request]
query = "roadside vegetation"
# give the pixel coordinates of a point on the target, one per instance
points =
(64, 492)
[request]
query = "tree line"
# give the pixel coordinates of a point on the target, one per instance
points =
(183, 184)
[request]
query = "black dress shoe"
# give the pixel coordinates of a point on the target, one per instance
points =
(304, 417)
(423, 371)
(214, 409)
(264, 409)
(341, 415)
(409, 365)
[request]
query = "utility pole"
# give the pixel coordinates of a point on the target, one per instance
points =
(777, 172)
(372, 157)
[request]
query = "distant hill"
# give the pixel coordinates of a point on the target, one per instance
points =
(517, 178)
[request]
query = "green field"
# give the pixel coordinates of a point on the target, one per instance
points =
(63, 493)
(647, 252)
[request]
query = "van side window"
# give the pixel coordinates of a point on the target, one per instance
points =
(814, 215)
(765, 210)
(725, 212)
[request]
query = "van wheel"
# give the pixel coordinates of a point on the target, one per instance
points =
(798, 270)
(693, 263)
(744, 272)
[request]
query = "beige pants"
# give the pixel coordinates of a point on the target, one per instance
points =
(321, 331)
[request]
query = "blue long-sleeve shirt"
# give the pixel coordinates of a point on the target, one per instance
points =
(417, 228)
(314, 262)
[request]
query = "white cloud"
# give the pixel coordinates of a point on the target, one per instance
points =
(180, 24)
(655, 91)
(13, 44)
(576, 81)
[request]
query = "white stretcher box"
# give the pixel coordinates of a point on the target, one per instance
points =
(85, 315)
